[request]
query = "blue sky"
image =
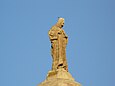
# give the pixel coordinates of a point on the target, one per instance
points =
(25, 47)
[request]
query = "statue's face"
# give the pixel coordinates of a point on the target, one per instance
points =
(62, 24)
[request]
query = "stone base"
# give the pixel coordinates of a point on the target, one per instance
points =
(59, 77)
(59, 73)
(59, 82)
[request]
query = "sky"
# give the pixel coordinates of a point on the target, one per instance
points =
(25, 57)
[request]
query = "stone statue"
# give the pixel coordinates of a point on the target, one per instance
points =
(59, 75)
(59, 41)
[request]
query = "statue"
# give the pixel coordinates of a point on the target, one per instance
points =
(59, 75)
(59, 41)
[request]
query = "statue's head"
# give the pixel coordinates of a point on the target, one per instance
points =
(60, 22)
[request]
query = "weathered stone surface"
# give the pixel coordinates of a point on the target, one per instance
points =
(59, 78)
(59, 75)
(59, 41)
(59, 82)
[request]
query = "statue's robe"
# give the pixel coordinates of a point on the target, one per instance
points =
(59, 41)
